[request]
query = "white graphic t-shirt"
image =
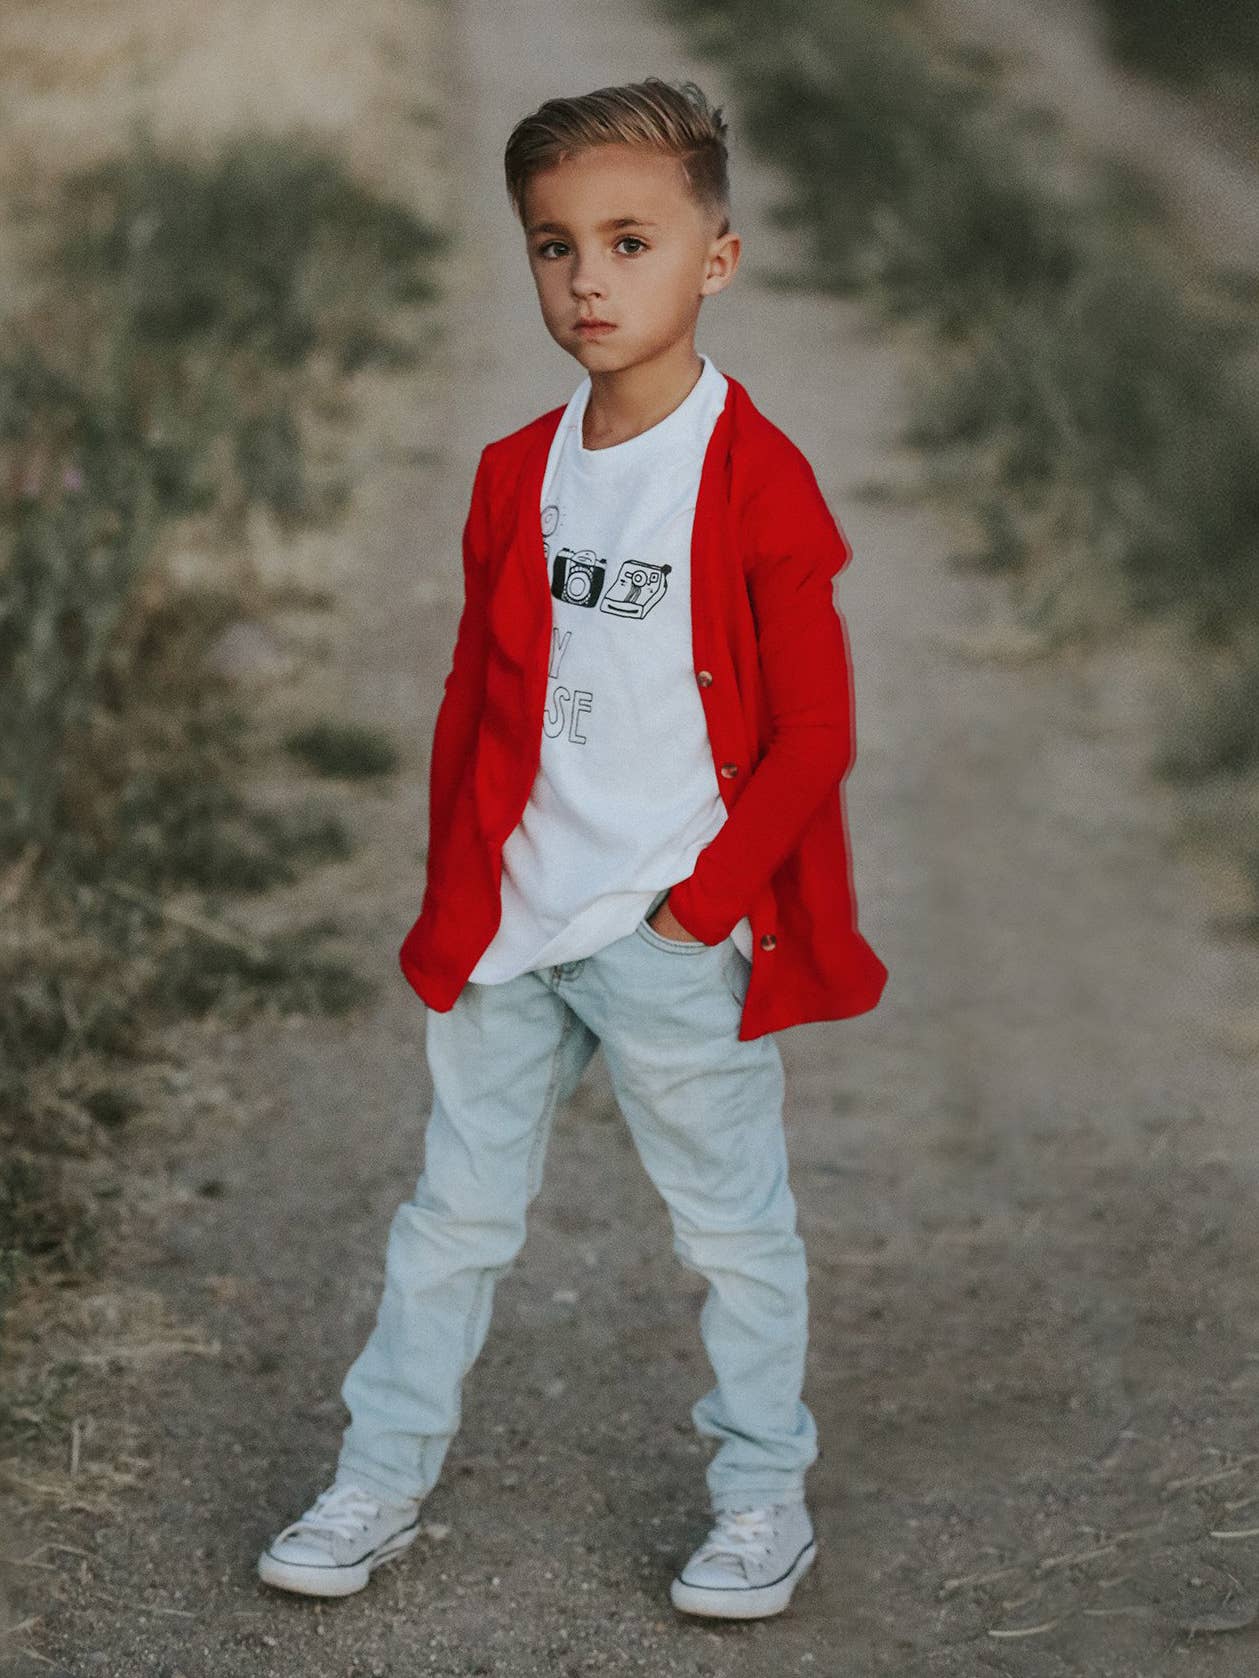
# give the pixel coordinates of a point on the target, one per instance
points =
(626, 794)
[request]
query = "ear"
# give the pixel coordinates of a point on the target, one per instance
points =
(723, 259)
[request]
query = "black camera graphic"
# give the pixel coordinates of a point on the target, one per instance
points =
(577, 578)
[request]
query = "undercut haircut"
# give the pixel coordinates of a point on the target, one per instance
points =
(670, 117)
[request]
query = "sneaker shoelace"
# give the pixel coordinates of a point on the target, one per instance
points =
(741, 1534)
(340, 1510)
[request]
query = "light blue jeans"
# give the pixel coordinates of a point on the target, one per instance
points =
(705, 1113)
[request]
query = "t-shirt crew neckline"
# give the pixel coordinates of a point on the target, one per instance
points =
(616, 455)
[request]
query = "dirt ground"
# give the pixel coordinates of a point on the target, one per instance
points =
(1026, 1181)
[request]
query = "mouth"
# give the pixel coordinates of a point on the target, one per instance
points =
(594, 327)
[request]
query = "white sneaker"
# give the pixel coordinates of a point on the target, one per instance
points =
(332, 1549)
(749, 1564)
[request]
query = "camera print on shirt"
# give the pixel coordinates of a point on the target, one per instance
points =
(578, 579)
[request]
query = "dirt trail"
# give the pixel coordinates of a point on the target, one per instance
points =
(1026, 1181)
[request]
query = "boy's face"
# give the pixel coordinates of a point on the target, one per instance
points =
(646, 276)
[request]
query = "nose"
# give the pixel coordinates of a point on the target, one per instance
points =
(585, 280)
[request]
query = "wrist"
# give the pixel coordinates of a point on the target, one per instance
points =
(666, 923)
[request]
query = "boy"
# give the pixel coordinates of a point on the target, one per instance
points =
(637, 840)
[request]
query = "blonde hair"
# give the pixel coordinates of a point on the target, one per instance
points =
(671, 117)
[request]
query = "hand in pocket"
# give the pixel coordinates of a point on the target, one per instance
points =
(666, 925)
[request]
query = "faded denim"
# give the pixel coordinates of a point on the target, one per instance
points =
(705, 1113)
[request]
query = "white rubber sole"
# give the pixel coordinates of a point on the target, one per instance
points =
(331, 1580)
(752, 1603)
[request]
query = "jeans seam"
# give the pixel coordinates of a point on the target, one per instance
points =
(549, 1103)
(732, 972)
(484, 1280)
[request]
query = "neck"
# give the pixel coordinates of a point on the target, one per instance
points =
(630, 400)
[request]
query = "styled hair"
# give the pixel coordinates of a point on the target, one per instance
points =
(670, 117)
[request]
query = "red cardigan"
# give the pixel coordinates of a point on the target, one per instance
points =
(773, 672)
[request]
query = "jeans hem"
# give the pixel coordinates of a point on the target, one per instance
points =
(756, 1494)
(372, 1483)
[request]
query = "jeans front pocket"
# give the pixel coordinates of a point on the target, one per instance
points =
(675, 946)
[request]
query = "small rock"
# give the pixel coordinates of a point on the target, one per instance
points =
(436, 1530)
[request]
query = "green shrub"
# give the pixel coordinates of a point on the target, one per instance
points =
(345, 749)
(1184, 43)
(268, 246)
(195, 975)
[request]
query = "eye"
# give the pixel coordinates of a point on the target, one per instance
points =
(633, 238)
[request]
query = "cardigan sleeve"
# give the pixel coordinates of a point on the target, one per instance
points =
(795, 548)
(463, 693)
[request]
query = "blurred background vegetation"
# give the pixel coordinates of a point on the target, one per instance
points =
(1186, 44)
(193, 316)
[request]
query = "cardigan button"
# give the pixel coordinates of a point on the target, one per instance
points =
(768, 940)
(704, 678)
(730, 770)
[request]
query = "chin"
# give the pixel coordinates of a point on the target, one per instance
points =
(602, 354)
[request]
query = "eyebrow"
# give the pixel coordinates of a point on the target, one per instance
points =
(603, 227)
